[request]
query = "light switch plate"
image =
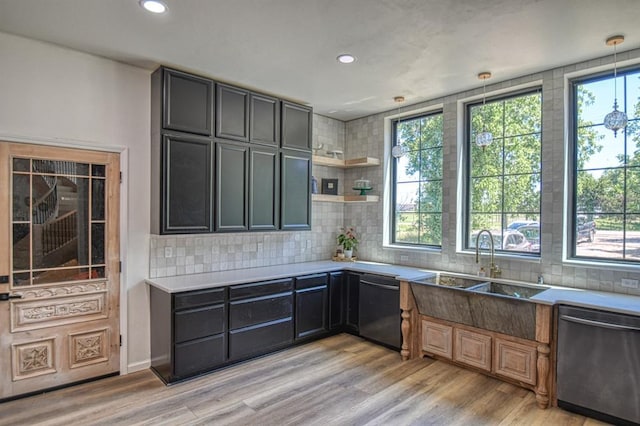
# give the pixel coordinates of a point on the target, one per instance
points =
(629, 283)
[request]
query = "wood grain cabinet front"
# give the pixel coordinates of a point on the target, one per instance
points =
(437, 339)
(515, 361)
(472, 348)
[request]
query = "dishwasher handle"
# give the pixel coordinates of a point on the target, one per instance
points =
(598, 323)
(384, 286)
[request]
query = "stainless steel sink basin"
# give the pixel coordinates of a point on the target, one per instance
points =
(510, 290)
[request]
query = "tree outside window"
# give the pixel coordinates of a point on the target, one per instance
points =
(606, 204)
(417, 206)
(503, 191)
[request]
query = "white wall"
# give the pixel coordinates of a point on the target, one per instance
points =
(50, 94)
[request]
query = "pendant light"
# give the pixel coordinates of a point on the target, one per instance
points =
(398, 151)
(484, 138)
(615, 120)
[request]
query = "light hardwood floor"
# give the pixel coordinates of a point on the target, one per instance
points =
(341, 380)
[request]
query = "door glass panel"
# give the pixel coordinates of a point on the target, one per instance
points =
(21, 246)
(58, 221)
(97, 199)
(21, 198)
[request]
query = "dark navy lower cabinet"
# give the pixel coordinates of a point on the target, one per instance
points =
(312, 306)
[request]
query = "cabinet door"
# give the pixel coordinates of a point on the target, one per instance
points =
(472, 349)
(264, 119)
(437, 339)
(232, 176)
(337, 300)
(295, 194)
(352, 307)
(311, 312)
(296, 126)
(186, 185)
(515, 360)
(232, 113)
(188, 102)
(199, 355)
(264, 189)
(260, 339)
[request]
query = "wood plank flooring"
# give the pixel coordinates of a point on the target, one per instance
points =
(340, 380)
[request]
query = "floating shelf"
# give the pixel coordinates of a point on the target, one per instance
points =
(345, 198)
(345, 164)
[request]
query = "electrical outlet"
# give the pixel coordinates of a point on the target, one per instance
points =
(404, 258)
(168, 251)
(629, 283)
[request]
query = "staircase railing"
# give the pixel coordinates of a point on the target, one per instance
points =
(59, 232)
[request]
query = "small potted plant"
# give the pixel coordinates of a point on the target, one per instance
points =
(347, 239)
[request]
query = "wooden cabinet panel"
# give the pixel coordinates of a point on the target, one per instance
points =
(264, 119)
(199, 355)
(296, 126)
(232, 113)
(262, 288)
(187, 186)
(311, 314)
(515, 360)
(264, 193)
(187, 103)
(232, 175)
(472, 348)
(437, 339)
(295, 194)
(200, 322)
(257, 310)
(260, 339)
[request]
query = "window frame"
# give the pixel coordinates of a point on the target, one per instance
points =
(465, 214)
(394, 165)
(570, 236)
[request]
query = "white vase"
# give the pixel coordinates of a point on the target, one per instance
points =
(348, 254)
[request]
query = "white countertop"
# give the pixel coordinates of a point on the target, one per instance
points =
(239, 276)
(614, 302)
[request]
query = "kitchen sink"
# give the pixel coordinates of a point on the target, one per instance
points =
(510, 290)
(451, 281)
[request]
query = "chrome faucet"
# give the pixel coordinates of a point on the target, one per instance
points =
(494, 270)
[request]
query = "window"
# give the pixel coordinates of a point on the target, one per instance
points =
(605, 215)
(503, 185)
(417, 194)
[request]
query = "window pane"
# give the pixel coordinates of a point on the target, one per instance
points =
(98, 170)
(633, 191)
(632, 237)
(504, 178)
(418, 181)
(633, 95)
(97, 243)
(20, 197)
(97, 199)
(21, 247)
(607, 242)
(592, 98)
(598, 148)
(21, 164)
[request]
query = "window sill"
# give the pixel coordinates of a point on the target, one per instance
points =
(516, 257)
(412, 248)
(601, 264)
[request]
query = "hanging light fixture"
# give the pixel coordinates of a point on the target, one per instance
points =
(398, 151)
(484, 138)
(615, 120)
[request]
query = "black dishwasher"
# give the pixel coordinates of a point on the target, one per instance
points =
(379, 316)
(599, 364)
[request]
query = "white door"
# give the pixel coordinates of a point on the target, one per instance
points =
(59, 266)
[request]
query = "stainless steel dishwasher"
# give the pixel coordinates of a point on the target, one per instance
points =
(380, 310)
(599, 364)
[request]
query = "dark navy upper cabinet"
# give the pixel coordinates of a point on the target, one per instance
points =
(295, 193)
(232, 176)
(186, 185)
(232, 113)
(265, 119)
(296, 126)
(187, 103)
(264, 192)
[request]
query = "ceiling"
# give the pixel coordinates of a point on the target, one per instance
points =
(420, 49)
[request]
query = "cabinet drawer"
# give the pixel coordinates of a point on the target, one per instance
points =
(259, 289)
(311, 281)
(437, 339)
(472, 349)
(198, 298)
(260, 339)
(515, 360)
(245, 313)
(198, 322)
(199, 355)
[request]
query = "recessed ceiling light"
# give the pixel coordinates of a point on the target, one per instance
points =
(154, 6)
(346, 58)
